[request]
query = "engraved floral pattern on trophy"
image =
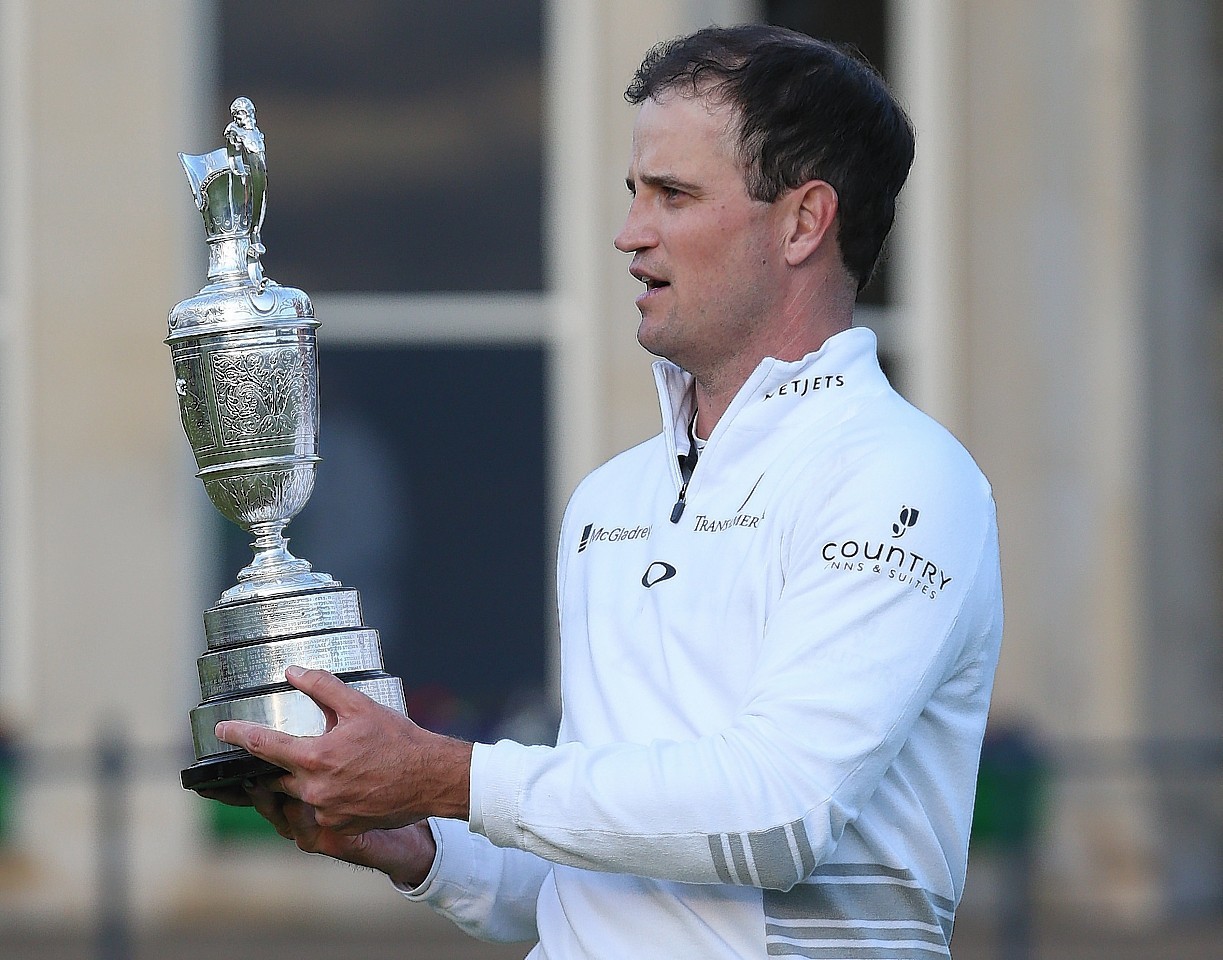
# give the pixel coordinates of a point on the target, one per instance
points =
(265, 393)
(262, 496)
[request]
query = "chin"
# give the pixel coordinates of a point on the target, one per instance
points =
(649, 338)
(645, 333)
(662, 334)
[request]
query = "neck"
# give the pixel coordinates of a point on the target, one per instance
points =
(716, 388)
(809, 306)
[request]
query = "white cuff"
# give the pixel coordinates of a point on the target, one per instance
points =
(475, 808)
(499, 775)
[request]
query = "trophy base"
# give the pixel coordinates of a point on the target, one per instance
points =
(217, 772)
(251, 643)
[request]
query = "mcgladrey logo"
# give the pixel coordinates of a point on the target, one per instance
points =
(876, 557)
(592, 534)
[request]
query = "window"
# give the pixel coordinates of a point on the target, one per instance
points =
(404, 140)
(404, 164)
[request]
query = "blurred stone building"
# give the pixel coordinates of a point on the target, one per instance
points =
(445, 180)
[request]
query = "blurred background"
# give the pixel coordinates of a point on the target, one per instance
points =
(445, 181)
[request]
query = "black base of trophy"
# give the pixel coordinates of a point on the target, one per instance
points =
(224, 771)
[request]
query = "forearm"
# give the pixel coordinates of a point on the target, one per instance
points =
(443, 776)
(683, 811)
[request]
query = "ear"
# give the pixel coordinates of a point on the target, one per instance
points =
(814, 208)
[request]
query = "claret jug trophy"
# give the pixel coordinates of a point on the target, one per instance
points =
(246, 372)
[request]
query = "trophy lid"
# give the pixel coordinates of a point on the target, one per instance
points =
(230, 183)
(230, 189)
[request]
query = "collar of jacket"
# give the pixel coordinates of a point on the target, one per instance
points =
(850, 355)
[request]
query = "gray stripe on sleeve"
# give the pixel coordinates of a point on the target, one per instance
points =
(774, 857)
(743, 875)
(719, 858)
(780, 856)
(805, 853)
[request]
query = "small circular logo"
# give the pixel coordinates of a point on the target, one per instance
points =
(657, 572)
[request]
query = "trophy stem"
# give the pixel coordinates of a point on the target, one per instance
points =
(274, 569)
(272, 557)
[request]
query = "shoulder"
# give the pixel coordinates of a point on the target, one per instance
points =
(884, 469)
(632, 463)
(886, 441)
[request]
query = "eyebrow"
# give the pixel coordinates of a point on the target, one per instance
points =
(663, 180)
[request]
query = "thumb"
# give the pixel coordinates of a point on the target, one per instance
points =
(336, 698)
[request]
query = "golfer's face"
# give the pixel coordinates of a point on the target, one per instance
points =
(700, 244)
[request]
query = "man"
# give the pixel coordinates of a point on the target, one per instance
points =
(774, 690)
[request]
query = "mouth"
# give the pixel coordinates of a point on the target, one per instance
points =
(652, 282)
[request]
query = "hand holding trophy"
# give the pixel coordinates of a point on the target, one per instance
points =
(246, 372)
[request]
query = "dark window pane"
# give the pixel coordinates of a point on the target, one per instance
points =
(404, 140)
(862, 23)
(430, 502)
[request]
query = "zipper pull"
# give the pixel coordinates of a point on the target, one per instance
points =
(677, 511)
(687, 463)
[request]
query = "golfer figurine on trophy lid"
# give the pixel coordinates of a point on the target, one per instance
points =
(246, 372)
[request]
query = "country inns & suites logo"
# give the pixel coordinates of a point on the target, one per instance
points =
(890, 560)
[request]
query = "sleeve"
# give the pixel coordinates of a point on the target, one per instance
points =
(848, 661)
(487, 892)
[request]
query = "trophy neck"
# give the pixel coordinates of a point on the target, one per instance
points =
(229, 260)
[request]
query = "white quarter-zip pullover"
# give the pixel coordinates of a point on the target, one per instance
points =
(772, 706)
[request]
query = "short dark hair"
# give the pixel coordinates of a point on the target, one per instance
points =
(808, 110)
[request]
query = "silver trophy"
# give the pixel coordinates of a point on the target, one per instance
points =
(246, 372)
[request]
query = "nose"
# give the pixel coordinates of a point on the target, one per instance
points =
(637, 233)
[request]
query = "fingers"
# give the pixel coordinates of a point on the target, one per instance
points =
(332, 694)
(232, 795)
(292, 819)
(282, 749)
(336, 699)
(270, 806)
